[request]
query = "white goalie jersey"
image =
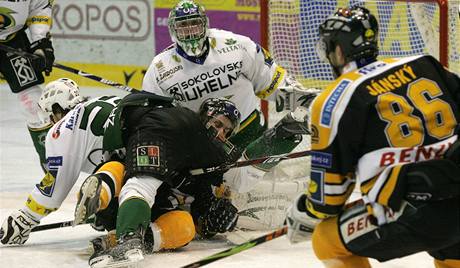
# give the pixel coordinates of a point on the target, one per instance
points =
(235, 67)
(14, 15)
(73, 145)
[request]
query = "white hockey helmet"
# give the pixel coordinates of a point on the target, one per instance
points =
(63, 92)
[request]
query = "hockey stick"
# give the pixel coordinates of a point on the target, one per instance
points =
(69, 69)
(249, 162)
(239, 248)
(57, 225)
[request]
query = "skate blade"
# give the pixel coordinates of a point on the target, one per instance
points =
(126, 263)
(89, 190)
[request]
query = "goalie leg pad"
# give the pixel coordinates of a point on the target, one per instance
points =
(172, 230)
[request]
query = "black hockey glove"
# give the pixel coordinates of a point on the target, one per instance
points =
(220, 217)
(44, 48)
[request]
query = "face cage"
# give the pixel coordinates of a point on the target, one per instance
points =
(190, 29)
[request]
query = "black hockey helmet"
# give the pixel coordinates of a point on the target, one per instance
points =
(212, 107)
(354, 29)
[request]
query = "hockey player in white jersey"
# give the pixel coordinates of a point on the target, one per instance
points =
(22, 74)
(73, 145)
(206, 62)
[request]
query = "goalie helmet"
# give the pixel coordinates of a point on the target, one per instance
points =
(210, 110)
(60, 95)
(188, 26)
(354, 29)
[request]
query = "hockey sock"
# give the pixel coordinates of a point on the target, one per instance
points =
(132, 214)
(38, 136)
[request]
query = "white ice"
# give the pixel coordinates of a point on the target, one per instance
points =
(66, 247)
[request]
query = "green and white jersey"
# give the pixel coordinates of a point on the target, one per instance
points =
(15, 15)
(73, 145)
(233, 67)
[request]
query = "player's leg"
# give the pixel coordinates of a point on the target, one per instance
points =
(407, 232)
(447, 257)
(98, 190)
(329, 248)
(24, 79)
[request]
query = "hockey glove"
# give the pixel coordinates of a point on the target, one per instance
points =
(300, 225)
(16, 228)
(44, 48)
(292, 95)
(292, 125)
(220, 217)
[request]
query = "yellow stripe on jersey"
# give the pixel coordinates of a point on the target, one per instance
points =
(248, 120)
(341, 198)
(39, 20)
(388, 189)
(325, 108)
(38, 208)
(276, 79)
(368, 185)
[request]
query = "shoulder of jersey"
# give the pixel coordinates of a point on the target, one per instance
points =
(224, 35)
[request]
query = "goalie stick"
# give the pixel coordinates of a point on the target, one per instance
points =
(69, 69)
(239, 248)
(249, 162)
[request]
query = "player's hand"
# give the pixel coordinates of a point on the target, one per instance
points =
(44, 48)
(220, 217)
(300, 225)
(16, 228)
(293, 94)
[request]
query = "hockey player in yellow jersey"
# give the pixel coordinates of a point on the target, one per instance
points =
(391, 127)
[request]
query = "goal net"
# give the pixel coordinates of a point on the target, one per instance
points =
(290, 32)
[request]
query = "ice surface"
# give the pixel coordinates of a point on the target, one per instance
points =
(66, 247)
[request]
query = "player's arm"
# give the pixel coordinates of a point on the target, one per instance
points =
(333, 160)
(63, 163)
(39, 20)
(39, 24)
(451, 79)
(150, 81)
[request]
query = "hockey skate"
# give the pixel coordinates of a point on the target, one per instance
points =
(88, 199)
(128, 252)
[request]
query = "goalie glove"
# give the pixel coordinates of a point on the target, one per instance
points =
(292, 126)
(16, 228)
(292, 95)
(44, 48)
(220, 217)
(300, 225)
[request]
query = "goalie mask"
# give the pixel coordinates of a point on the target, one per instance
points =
(188, 27)
(221, 117)
(355, 30)
(59, 97)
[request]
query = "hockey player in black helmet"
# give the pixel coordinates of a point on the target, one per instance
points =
(163, 143)
(391, 125)
(355, 31)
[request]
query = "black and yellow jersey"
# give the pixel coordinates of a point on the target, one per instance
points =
(371, 121)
